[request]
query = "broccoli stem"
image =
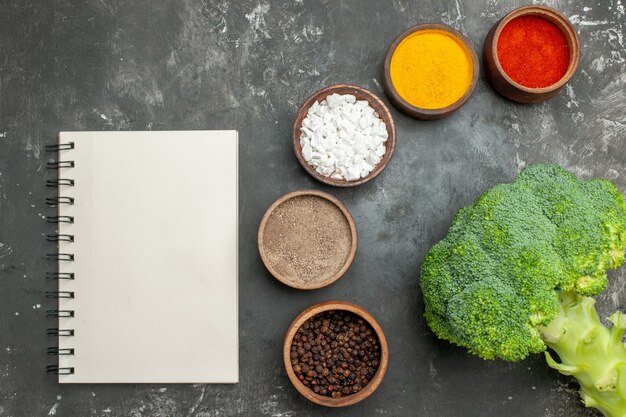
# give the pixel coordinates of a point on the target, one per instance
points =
(592, 353)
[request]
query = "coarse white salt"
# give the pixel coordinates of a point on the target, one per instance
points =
(342, 137)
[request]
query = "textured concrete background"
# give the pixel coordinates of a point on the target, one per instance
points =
(247, 65)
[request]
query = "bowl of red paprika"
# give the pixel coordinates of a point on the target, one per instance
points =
(531, 53)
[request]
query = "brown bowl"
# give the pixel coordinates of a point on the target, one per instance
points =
(361, 94)
(350, 399)
(502, 83)
(418, 112)
(316, 284)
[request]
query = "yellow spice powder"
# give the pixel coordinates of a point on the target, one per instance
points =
(431, 69)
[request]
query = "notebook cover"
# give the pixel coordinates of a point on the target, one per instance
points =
(155, 257)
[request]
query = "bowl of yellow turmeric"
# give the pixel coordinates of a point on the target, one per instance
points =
(430, 71)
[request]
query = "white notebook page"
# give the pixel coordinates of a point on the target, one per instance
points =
(155, 257)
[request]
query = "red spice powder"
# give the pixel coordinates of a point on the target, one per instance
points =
(533, 51)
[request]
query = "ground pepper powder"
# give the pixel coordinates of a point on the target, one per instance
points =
(533, 51)
(307, 239)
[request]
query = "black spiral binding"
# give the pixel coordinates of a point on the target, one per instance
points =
(60, 351)
(60, 256)
(57, 370)
(55, 202)
(55, 331)
(59, 275)
(57, 237)
(59, 294)
(59, 182)
(60, 219)
(60, 164)
(59, 313)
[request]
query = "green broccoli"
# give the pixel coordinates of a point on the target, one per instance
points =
(516, 272)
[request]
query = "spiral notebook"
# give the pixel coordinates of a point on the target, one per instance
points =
(147, 257)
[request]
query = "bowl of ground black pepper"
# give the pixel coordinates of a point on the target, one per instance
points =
(531, 53)
(335, 354)
(307, 239)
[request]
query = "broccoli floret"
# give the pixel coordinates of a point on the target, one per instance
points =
(498, 279)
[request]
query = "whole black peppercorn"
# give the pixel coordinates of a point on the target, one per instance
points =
(335, 353)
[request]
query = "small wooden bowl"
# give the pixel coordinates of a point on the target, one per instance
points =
(349, 399)
(418, 112)
(316, 284)
(361, 94)
(502, 83)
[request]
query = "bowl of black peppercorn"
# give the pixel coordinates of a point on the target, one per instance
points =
(335, 354)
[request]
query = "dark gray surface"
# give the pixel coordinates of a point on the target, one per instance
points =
(192, 64)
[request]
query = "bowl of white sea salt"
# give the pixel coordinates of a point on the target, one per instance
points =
(344, 135)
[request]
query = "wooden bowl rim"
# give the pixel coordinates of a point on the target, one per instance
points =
(385, 115)
(419, 112)
(550, 14)
(350, 399)
(353, 233)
